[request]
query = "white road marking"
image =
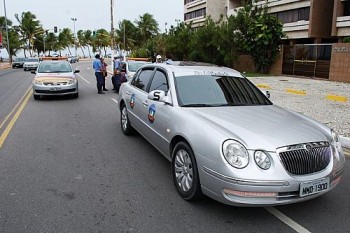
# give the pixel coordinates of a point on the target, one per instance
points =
(83, 78)
(116, 101)
(291, 223)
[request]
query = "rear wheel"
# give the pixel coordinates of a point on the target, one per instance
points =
(185, 172)
(124, 121)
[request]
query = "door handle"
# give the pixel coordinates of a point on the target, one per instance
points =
(145, 103)
(128, 93)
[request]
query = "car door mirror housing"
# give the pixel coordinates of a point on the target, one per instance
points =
(76, 71)
(33, 71)
(158, 95)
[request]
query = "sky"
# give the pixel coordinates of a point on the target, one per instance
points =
(96, 14)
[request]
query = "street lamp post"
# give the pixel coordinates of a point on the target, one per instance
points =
(75, 43)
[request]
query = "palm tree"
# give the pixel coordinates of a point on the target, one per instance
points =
(29, 26)
(65, 39)
(102, 39)
(89, 40)
(81, 41)
(148, 27)
(50, 42)
(126, 34)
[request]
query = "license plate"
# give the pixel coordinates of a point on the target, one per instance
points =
(313, 187)
(55, 88)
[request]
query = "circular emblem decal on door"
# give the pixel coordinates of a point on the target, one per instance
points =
(151, 113)
(132, 101)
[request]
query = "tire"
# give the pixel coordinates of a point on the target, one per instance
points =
(125, 122)
(185, 172)
(36, 97)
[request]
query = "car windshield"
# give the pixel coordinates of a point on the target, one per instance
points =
(134, 66)
(33, 59)
(54, 67)
(213, 91)
(20, 59)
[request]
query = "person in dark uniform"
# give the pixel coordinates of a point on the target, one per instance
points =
(97, 66)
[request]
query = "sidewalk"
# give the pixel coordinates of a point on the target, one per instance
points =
(323, 100)
(4, 65)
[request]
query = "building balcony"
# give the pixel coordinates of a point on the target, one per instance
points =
(343, 26)
(297, 30)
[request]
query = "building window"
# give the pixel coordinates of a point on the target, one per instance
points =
(346, 8)
(293, 15)
(195, 14)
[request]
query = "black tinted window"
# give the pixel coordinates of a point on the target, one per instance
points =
(202, 90)
(159, 82)
(142, 79)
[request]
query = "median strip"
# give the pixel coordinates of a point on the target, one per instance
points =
(297, 92)
(263, 86)
(338, 98)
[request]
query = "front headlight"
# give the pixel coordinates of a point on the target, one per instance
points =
(262, 159)
(72, 81)
(37, 82)
(336, 141)
(235, 154)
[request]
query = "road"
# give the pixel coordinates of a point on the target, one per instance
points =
(65, 166)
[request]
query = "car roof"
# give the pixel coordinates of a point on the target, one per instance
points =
(184, 69)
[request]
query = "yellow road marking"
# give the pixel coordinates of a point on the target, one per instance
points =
(263, 86)
(8, 116)
(293, 91)
(337, 98)
(14, 119)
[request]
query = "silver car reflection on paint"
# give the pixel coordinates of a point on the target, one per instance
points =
(225, 139)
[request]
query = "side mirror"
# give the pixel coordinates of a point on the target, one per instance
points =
(33, 71)
(158, 95)
(76, 71)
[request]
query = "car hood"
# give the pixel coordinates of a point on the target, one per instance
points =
(261, 127)
(54, 77)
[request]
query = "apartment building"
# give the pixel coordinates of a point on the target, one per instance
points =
(196, 11)
(304, 21)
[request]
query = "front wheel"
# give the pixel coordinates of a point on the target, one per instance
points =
(36, 97)
(124, 121)
(185, 172)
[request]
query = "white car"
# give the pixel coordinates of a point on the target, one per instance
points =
(226, 139)
(31, 63)
(55, 78)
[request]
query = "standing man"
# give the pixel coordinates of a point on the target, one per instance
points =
(116, 74)
(97, 66)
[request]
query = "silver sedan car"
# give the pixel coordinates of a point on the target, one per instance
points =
(226, 139)
(55, 78)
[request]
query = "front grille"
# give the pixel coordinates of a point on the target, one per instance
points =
(55, 83)
(306, 158)
(56, 91)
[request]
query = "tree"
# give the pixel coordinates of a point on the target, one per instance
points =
(147, 26)
(178, 44)
(126, 35)
(260, 34)
(82, 42)
(65, 40)
(51, 42)
(28, 27)
(205, 45)
(101, 40)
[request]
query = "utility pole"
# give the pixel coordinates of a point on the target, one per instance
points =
(112, 34)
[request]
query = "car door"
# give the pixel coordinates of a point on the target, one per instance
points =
(137, 95)
(156, 113)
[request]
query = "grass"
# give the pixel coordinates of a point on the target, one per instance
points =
(254, 74)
